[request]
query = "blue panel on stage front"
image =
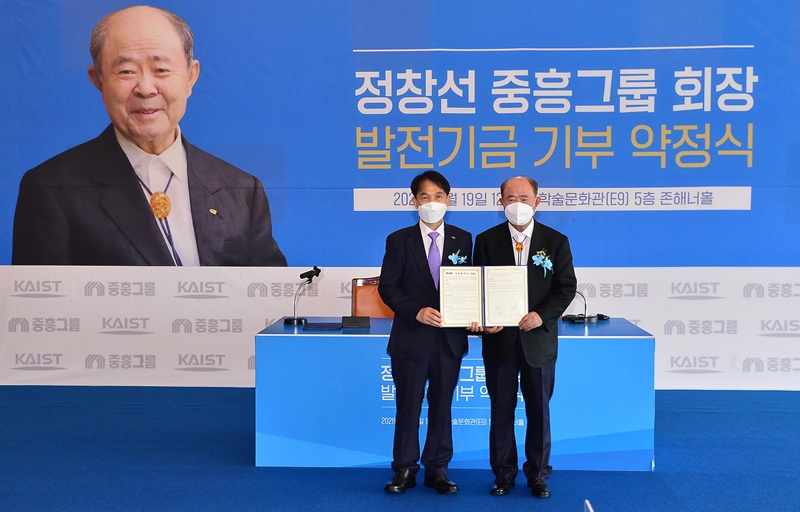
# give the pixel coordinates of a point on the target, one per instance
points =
(326, 399)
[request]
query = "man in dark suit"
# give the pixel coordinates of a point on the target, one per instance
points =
(420, 348)
(525, 356)
(89, 205)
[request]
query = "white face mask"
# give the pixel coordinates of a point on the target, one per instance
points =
(519, 214)
(432, 212)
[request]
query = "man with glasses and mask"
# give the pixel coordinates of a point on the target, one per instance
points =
(525, 356)
(421, 349)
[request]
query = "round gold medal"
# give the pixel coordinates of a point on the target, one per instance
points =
(160, 204)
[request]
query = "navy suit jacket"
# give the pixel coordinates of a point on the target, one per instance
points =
(406, 286)
(549, 295)
(86, 207)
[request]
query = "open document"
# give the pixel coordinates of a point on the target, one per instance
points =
(491, 296)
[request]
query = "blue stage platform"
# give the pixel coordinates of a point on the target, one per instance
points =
(175, 449)
(325, 398)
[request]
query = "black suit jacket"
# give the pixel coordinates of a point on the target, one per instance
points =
(549, 295)
(406, 286)
(86, 207)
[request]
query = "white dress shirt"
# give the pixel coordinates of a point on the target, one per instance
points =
(525, 237)
(154, 171)
(427, 240)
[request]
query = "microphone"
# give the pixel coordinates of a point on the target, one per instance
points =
(586, 308)
(584, 318)
(309, 275)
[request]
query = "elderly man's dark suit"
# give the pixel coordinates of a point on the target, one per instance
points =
(420, 352)
(506, 353)
(86, 207)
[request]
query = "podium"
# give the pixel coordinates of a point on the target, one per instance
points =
(326, 399)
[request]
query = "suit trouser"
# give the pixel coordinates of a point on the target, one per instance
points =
(441, 369)
(503, 381)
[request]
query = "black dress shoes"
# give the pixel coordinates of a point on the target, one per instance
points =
(539, 488)
(402, 480)
(501, 485)
(441, 483)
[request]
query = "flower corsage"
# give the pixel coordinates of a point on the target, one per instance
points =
(542, 259)
(456, 259)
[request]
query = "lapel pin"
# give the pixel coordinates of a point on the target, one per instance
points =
(212, 211)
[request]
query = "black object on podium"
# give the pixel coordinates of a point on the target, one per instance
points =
(584, 318)
(355, 322)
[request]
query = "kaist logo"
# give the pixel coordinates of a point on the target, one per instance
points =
(37, 289)
(125, 326)
(695, 291)
(780, 328)
(346, 289)
(200, 363)
(200, 290)
(693, 364)
(38, 362)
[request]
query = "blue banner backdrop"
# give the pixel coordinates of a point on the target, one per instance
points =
(663, 133)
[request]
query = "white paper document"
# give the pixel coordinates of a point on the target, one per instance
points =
(505, 295)
(461, 295)
(493, 296)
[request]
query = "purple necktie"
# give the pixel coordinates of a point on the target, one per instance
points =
(434, 258)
